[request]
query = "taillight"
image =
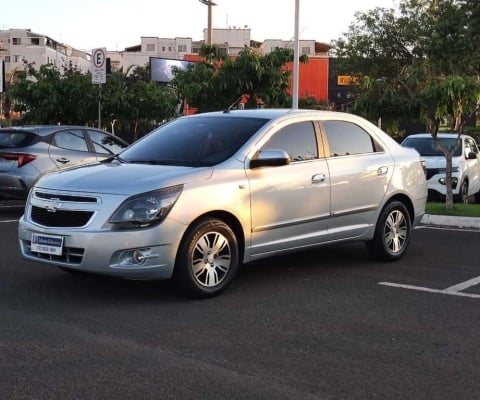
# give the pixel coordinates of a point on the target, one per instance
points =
(21, 158)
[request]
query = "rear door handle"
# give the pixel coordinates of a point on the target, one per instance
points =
(63, 160)
(319, 178)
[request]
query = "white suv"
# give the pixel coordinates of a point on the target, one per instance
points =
(465, 165)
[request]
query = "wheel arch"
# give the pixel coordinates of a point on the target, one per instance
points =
(228, 219)
(406, 201)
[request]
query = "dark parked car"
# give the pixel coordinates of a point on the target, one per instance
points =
(26, 152)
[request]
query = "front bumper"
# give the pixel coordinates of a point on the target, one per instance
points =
(109, 252)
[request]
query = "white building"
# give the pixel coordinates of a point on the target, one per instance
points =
(18, 46)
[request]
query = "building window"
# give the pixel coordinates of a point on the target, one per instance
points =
(169, 48)
(16, 41)
(7, 58)
(35, 41)
(16, 59)
(163, 48)
(195, 50)
(305, 50)
(182, 48)
(150, 47)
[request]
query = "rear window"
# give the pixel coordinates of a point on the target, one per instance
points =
(12, 139)
(426, 146)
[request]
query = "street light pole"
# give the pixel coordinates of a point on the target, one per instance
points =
(209, 3)
(296, 56)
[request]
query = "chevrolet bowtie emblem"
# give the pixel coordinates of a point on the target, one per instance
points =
(53, 205)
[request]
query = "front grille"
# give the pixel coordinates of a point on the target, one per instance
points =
(76, 199)
(60, 218)
(431, 172)
(70, 255)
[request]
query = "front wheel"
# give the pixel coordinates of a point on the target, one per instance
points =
(463, 193)
(207, 259)
(392, 233)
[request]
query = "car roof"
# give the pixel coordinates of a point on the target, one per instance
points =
(44, 130)
(274, 113)
(440, 135)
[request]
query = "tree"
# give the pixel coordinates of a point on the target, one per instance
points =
(48, 96)
(422, 61)
(218, 83)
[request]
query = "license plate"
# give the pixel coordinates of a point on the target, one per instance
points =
(48, 244)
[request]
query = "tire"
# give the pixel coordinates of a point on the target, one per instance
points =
(207, 259)
(392, 233)
(463, 193)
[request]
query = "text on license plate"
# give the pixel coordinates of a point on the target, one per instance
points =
(48, 244)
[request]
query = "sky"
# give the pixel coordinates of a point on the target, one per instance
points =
(89, 24)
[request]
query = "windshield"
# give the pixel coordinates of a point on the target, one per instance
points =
(193, 141)
(426, 146)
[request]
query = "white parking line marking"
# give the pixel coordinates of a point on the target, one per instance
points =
(9, 220)
(463, 285)
(452, 290)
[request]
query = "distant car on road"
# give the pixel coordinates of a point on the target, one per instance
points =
(202, 194)
(26, 152)
(465, 165)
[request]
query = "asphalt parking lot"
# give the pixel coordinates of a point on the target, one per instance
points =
(322, 324)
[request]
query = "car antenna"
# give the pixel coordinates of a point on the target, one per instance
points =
(232, 105)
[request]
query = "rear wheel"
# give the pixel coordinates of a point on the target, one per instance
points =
(207, 260)
(392, 233)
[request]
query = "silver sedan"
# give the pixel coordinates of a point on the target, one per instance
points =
(202, 194)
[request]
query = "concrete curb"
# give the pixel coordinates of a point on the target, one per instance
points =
(447, 220)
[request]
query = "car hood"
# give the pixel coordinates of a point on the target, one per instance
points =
(439, 161)
(117, 178)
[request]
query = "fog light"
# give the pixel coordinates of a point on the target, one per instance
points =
(443, 181)
(137, 256)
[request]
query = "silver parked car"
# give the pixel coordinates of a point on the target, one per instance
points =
(26, 152)
(202, 194)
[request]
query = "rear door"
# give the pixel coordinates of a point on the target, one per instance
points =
(360, 172)
(69, 147)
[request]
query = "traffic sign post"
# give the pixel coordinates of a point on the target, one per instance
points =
(99, 62)
(99, 76)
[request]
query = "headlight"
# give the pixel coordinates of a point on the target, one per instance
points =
(443, 181)
(145, 209)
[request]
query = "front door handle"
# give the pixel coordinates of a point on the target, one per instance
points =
(382, 170)
(63, 160)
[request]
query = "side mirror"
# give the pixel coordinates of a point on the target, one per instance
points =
(471, 156)
(270, 158)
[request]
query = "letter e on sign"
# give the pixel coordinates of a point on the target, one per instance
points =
(99, 65)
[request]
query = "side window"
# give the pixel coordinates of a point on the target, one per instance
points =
(345, 138)
(298, 140)
(470, 147)
(105, 144)
(71, 140)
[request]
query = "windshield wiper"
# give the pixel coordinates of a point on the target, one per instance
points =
(159, 162)
(115, 157)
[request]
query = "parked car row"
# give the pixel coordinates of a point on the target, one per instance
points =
(202, 194)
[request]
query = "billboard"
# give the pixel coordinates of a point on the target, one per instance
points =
(161, 68)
